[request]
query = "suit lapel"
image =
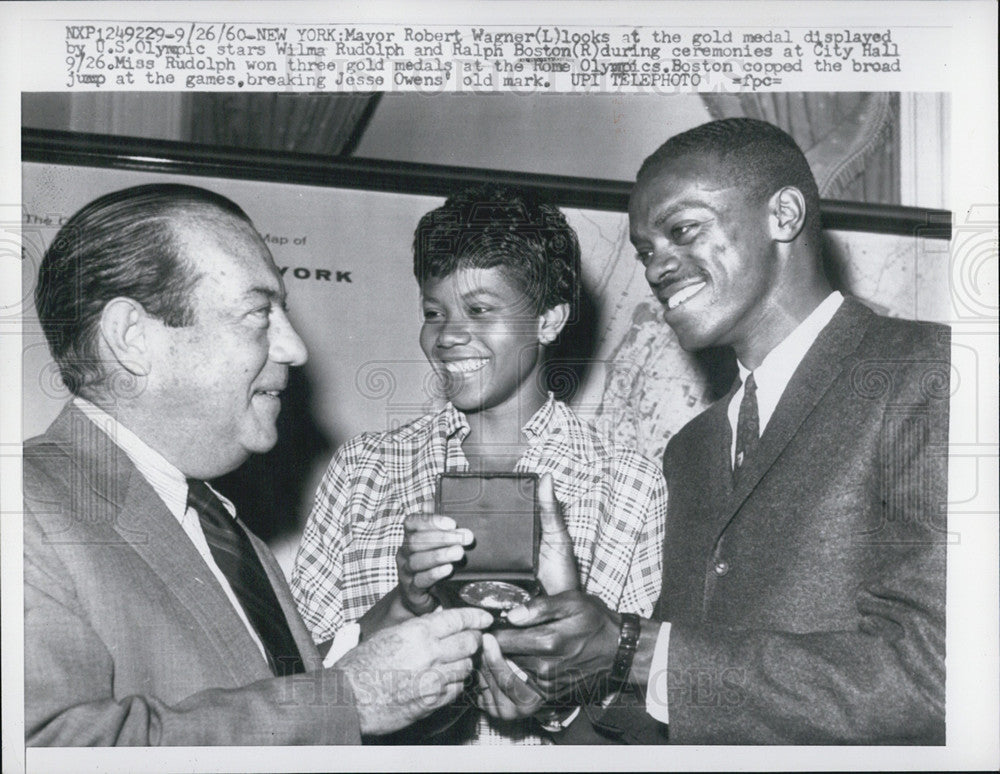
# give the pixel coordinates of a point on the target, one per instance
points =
(140, 519)
(815, 375)
(170, 554)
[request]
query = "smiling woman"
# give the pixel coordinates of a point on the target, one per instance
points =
(499, 276)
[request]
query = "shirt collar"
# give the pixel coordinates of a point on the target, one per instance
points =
(780, 363)
(545, 419)
(452, 422)
(167, 481)
(778, 366)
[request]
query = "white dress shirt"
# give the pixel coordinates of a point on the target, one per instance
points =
(772, 377)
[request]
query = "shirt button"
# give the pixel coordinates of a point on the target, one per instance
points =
(721, 567)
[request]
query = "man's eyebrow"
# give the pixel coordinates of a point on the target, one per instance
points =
(676, 207)
(271, 294)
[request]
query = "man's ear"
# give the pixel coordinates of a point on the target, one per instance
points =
(787, 213)
(551, 322)
(124, 334)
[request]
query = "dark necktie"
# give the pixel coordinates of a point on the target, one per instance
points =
(747, 429)
(235, 556)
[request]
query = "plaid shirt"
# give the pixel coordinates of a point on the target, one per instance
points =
(613, 500)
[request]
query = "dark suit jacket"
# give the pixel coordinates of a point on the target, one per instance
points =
(128, 637)
(808, 605)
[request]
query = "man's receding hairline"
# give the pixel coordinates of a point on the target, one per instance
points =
(208, 217)
(185, 221)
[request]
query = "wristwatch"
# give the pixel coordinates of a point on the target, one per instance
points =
(555, 721)
(628, 640)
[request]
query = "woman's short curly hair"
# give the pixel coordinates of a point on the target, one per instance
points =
(488, 226)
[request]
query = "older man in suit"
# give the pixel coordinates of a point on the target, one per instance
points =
(152, 616)
(804, 564)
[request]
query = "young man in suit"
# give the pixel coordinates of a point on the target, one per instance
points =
(803, 595)
(152, 616)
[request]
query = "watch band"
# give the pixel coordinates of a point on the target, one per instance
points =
(556, 721)
(628, 639)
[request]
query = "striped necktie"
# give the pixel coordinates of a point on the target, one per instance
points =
(235, 556)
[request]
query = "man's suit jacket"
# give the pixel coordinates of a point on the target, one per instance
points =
(808, 605)
(128, 637)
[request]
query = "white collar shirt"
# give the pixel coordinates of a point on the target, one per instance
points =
(776, 369)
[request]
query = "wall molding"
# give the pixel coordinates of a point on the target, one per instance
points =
(177, 158)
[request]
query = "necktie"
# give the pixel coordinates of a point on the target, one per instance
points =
(747, 428)
(235, 556)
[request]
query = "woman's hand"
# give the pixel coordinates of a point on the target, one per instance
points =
(432, 543)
